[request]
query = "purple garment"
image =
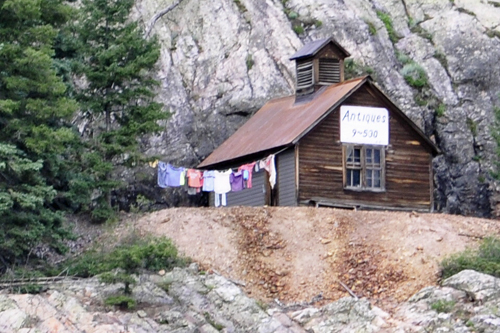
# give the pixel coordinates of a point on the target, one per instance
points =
(237, 181)
(162, 174)
(174, 175)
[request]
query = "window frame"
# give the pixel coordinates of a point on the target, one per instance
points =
(363, 166)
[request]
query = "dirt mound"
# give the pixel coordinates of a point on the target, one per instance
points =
(316, 255)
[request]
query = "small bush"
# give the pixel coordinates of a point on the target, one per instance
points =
(122, 301)
(442, 306)
(298, 29)
(293, 15)
(132, 256)
(486, 259)
(318, 23)
(414, 75)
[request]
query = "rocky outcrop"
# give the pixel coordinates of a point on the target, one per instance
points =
(222, 60)
(186, 300)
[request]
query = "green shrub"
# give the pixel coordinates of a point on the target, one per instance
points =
(133, 255)
(414, 75)
(298, 29)
(442, 306)
(122, 301)
(318, 23)
(293, 15)
(485, 259)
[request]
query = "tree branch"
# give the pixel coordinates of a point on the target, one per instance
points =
(158, 15)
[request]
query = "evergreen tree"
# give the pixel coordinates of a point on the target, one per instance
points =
(35, 134)
(119, 94)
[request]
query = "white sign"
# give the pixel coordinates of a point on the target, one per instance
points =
(364, 125)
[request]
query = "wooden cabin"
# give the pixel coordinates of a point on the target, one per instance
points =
(336, 143)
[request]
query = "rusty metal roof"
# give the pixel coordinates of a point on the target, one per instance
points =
(281, 122)
(311, 49)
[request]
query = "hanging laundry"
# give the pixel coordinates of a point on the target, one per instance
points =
(162, 174)
(220, 199)
(175, 176)
(195, 178)
(221, 181)
(271, 168)
(247, 173)
(193, 190)
(237, 181)
(208, 180)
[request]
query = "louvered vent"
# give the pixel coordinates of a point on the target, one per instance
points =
(305, 77)
(329, 71)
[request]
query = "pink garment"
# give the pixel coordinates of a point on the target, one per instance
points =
(270, 167)
(248, 167)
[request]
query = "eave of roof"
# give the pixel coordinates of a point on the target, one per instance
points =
(280, 122)
(312, 48)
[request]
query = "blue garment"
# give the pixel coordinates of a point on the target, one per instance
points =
(174, 176)
(208, 180)
(162, 174)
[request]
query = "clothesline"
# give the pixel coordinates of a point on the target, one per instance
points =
(220, 182)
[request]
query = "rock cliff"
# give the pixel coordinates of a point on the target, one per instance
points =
(438, 60)
(186, 300)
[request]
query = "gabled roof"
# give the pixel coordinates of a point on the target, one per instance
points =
(312, 48)
(283, 122)
(280, 121)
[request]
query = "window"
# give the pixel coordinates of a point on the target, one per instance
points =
(364, 168)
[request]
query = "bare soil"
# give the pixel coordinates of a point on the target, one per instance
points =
(304, 255)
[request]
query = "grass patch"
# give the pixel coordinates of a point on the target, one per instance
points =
(249, 62)
(217, 326)
(353, 69)
(241, 6)
(440, 110)
(486, 259)
(441, 57)
(466, 11)
(386, 19)
(442, 306)
(492, 33)
(414, 75)
(371, 27)
(472, 126)
(402, 58)
(318, 23)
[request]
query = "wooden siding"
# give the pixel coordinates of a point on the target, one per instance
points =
(254, 196)
(286, 178)
(407, 163)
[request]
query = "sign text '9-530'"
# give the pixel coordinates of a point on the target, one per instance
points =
(364, 125)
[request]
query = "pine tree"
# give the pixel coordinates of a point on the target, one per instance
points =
(35, 134)
(118, 99)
